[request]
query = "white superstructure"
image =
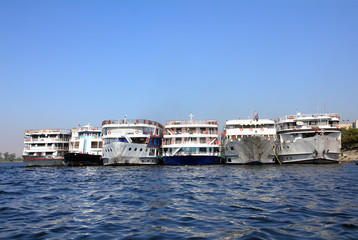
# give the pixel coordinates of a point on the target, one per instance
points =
(131, 141)
(86, 140)
(249, 141)
(191, 142)
(46, 147)
(308, 138)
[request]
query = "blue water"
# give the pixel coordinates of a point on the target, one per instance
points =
(179, 202)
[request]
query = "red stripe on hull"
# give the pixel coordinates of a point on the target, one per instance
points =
(42, 159)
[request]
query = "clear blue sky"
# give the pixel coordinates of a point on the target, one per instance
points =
(69, 62)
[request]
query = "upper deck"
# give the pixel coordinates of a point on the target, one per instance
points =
(47, 131)
(137, 128)
(308, 122)
(191, 123)
(243, 127)
(130, 122)
(47, 135)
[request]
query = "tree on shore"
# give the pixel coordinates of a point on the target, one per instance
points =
(12, 157)
(9, 157)
(349, 138)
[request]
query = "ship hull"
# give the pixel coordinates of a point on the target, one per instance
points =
(250, 150)
(317, 149)
(130, 154)
(190, 160)
(78, 159)
(44, 162)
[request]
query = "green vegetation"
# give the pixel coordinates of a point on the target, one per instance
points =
(349, 138)
(7, 157)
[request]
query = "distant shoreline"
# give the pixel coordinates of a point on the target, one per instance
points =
(349, 155)
(8, 161)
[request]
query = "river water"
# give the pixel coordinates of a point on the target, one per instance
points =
(179, 202)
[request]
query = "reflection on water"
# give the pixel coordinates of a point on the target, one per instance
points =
(288, 202)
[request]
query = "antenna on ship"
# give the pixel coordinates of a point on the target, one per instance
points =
(325, 108)
(125, 118)
(191, 117)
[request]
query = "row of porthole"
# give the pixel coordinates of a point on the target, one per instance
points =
(147, 160)
(130, 149)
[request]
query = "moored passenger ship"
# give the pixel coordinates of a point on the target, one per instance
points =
(249, 141)
(46, 147)
(312, 138)
(85, 147)
(194, 142)
(131, 142)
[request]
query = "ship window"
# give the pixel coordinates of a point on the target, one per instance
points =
(232, 148)
(135, 149)
(94, 144)
(229, 159)
(129, 149)
(202, 149)
(141, 149)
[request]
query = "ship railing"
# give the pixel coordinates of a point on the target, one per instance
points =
(83, 129)
(132, 121)
(88, 137)
(44, 131)
(211, 143)
(191, 154)
(330, 115)
(47, 140)
(185, 122)
(45, 148)
(307, 127)
(190, 132)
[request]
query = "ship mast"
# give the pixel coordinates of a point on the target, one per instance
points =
(191, 117)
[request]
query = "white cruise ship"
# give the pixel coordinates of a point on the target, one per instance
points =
(46, 147)
(131, 142)
(193, 142)
(310, 138)
(250, 141)
(85, 147)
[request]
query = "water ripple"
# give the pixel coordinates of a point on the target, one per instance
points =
(182, 202)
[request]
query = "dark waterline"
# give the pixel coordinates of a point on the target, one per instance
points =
(182, 202)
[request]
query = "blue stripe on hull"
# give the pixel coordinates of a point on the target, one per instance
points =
(191, 160)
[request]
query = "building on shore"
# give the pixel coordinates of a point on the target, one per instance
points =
(355, 124)
(345, 125)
